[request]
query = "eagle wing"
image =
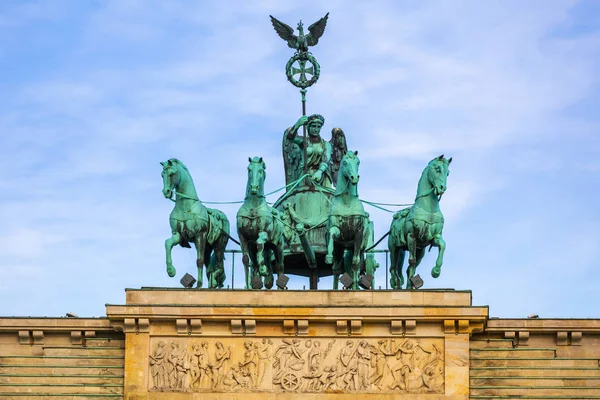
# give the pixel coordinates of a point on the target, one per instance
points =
(316, 31)
(285, 32)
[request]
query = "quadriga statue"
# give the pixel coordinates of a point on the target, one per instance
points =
(192, 222)
(415, 228)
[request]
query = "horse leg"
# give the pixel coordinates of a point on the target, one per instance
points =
(253, 264)
(334, 234)
(396, 261)
(169, 243)
(210, 266)
(400, 256)
(269, 280)
(279, 258)
(412, 269)
(245, 260)
(441, 244)
(338, 265)
(412, 254)
(200, 247)
(357, 257)
(260, 252)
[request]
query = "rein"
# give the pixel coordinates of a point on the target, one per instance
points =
(428, 193)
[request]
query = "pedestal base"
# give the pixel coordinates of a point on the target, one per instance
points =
(185, 344)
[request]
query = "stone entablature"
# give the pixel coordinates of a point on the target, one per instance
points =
(285, 343)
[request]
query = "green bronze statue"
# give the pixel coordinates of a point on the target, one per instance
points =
(260, 229)
(348, 226)
(301, 42)
(322, 157)
(415, 228)
(297, 71)
(192, 222)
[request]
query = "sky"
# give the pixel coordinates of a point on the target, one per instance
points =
(96, 93)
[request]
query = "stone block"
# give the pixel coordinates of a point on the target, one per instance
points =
(76, 338)
(355, 327)
(181, 325)
(562, 338)
(24, 337)
(396, 327)
(38, 337)
(341, 327)
(250, 327)
(288, 327)
(576, 338)
(303, 327)
(196, 325)
(236, 326)
(411, 327)
(523, 338)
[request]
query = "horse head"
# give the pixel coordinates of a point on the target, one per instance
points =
(349, 167)
(256, 177)
(437, 174)
(171, 176)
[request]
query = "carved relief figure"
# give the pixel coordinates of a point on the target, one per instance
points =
(379, 363)
(178, 367)
(264, 358)
(364, 364)
(347, 367)
(250, 363)
(200, 367)
(157, 366)
(221, 365)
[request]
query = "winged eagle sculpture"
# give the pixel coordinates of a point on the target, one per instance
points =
(302, 41)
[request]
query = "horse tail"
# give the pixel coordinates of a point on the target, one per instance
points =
(348, 262)
(219, 273)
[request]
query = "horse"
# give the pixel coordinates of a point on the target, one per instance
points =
(419, 226)
(348, 225)
(192, 222)
(260, 229)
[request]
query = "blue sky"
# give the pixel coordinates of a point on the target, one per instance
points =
(96, 93)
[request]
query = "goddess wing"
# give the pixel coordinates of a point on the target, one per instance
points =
(316, 31)
(285, 32)
(292, 159)
(338, 148)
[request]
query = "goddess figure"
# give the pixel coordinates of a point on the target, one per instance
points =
(322, 157)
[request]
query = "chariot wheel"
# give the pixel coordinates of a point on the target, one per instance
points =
(290, 381)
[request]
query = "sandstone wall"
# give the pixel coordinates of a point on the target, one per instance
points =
(536, 359)
(168, 344)
(60, 358)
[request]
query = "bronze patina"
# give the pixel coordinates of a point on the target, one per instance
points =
(414, 229)
(192, 222)
(260, 229)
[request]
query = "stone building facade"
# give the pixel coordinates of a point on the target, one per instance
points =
(229, 344)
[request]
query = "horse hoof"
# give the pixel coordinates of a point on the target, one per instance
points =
(435, 272)
(171, 271)
(328, 259)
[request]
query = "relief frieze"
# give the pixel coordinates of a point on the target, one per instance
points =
(406, 365)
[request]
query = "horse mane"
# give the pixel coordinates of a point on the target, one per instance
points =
(182, 165)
